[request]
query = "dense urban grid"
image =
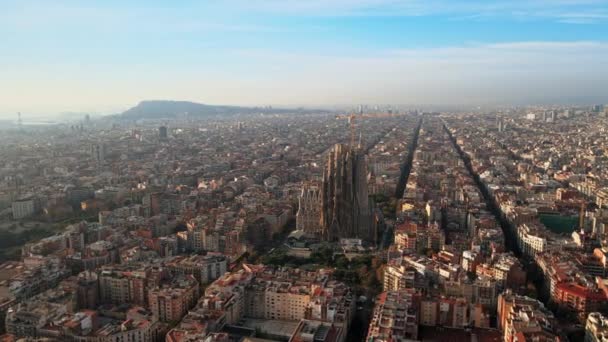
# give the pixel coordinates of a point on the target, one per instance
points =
(378, 226)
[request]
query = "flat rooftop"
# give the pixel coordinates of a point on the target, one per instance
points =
(272, 327)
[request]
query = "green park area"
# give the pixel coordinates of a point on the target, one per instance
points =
(15, 234)
(560, 224)
(364, 270)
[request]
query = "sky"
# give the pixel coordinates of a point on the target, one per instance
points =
(106, 56)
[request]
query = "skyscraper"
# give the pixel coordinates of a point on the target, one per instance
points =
(345, 209)
(162, 132)
(88, 290)
(501, 124)
(98, 153)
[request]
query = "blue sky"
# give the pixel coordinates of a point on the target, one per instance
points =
(104, 56)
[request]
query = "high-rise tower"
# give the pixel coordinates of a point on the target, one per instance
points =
(345, 209)
(162, 132)
(98, 153)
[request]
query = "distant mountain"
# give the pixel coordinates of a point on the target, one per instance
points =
(158, 109)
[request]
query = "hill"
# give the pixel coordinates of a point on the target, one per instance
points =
(158, 109)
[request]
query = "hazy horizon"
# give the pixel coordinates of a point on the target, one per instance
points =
(105, 57)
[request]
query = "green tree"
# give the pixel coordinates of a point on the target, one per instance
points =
(323, 255)
(341, 261)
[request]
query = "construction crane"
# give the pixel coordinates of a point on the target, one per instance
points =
(351, 121)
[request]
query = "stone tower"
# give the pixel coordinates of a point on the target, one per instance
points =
(345, 209)
(308, 217)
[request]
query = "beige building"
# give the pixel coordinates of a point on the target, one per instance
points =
(285, 302)
(170, 302)
(399, 277)
(119, 285)
(428, 312)
(395, 317)
(596, 328)
(204, 268)
(24, 208)
(262, 292)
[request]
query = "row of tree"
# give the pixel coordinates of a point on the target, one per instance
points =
(365, 270)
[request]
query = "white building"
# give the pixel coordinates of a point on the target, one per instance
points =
(24, 208)
(596, 329)
(530, 240)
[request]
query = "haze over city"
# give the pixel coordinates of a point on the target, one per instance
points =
(106, 56)
(304, 171)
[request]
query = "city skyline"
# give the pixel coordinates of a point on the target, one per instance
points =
(105, 57)
(299, 170)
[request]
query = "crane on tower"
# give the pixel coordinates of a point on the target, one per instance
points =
(352, 117)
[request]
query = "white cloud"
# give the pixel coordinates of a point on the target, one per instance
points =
(474, 74)
(548, 45)
(37, 12)
(582, 11)
(91, 16)
(516, 72)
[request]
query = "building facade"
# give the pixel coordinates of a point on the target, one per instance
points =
(345, 209)
(308, 217)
